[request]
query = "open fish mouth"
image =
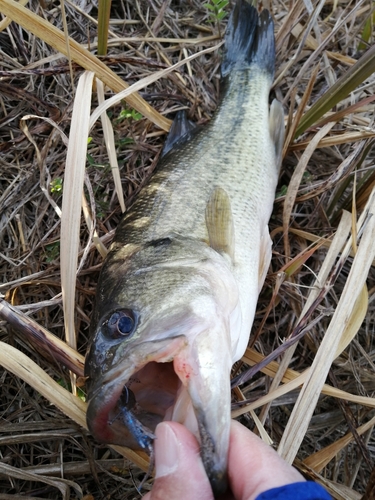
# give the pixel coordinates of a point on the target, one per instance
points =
(158, 381)
(142, 395)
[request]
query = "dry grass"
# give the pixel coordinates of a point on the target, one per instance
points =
(321, 285)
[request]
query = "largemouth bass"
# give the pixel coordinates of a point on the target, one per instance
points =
(177, 292)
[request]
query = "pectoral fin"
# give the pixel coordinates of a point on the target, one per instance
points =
(277, 129)
(219, 221)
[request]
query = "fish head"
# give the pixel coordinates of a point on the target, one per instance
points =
(161, 347)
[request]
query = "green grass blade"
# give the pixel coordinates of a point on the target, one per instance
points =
(356, 75)
(103, 25)
(366, 33)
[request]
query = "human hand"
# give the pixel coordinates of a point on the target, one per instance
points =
(253, 466)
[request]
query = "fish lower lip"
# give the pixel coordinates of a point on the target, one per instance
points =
(216, 474)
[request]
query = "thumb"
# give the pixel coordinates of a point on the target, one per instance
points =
(180, 473)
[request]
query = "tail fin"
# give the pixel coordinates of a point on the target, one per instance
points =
(249, 39)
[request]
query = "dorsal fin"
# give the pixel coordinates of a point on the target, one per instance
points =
(180, 132)
(219, 221)
(277, 129)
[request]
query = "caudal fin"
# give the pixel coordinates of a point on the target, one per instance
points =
(249, 39)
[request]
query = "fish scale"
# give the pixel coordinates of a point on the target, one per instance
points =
(178, 290)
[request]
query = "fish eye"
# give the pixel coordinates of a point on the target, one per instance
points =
(120, 324)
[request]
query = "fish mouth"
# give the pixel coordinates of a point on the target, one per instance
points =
(165, 383)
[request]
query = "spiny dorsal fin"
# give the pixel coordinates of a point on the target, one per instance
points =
(277, 129)
(219, 221)
(180, 132)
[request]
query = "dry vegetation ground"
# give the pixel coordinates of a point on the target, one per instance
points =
(326, 170)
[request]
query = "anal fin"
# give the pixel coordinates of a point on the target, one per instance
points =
(219, 222)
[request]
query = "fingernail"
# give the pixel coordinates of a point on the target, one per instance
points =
(166, 451)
